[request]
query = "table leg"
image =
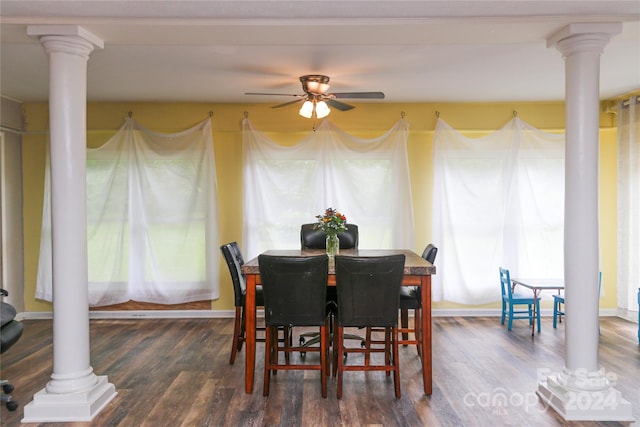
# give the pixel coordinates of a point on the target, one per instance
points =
(250, 332)
(535, 313)
(426, 334)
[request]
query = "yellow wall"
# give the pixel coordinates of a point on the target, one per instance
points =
(284, 124)
(608, 199)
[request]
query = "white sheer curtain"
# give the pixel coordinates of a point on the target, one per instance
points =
(152, 218)
(628, 203)
(365, 179)
(498, 201)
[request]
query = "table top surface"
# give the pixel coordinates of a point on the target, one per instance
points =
(543, 283)
(414, 264)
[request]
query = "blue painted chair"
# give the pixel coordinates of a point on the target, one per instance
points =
(558, 301)
(558, 311)
(511, 300)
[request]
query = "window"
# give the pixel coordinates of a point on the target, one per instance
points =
(366, 180)
(498, 201)
(628, 203)
(152, 232)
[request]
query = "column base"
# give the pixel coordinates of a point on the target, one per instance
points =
(584, 405)
(69, 407)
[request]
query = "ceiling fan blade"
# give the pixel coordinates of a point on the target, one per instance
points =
(359, 95)
(287, 103)
(339, 105)
(273, 94)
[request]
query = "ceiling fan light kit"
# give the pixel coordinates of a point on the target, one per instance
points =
(306, 110)
(322, 109)
(316, 99)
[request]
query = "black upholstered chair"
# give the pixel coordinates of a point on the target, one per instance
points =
(233, 257)
(311, 238)
(295, 290)
(411, 299)
(10, 333)
(380, 279)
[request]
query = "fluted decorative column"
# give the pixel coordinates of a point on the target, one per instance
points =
(74, 392)
(582, 390)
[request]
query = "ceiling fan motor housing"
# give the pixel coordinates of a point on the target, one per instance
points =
(315, 84)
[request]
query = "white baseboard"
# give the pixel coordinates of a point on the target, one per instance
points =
(162, 314)
(627, 314)
(496, 312)
(224, 314)
(140, 314)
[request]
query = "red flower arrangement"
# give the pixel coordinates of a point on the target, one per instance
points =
(332, 222)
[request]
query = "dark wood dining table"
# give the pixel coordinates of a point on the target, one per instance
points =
(417, 272)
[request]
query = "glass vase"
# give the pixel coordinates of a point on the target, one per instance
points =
(333, 244)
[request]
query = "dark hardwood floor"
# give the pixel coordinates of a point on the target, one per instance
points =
(176, 372)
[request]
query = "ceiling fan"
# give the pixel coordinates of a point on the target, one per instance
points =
(316, 99)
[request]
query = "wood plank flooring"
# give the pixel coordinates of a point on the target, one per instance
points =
(176, 372)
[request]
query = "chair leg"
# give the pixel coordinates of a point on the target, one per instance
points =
(367, 355)
(391, 357)
(387, 348)
(328, 335)
(510, 322)
(334, 363)
(396, 362)
(538, 314)
(560, 312)
(504, 312)
(556, 308)
(324, 344)
(340, 360)
(236, 344)
(6, 397)
(273, 348)
(404, 323)
(243, 329)
(287, 342)
(268, 357)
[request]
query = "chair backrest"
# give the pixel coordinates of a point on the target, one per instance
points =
(10, 329)
(368, 290)
(310, 238)
(430, 253)
(7, 313)
(294, 289)
(505, 283)
(9, 334)
(233, 257)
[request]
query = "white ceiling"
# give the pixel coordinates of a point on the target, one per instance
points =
(413, 51)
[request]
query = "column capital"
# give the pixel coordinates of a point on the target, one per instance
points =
(584, 37)
(65, 30)
(66, 38)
